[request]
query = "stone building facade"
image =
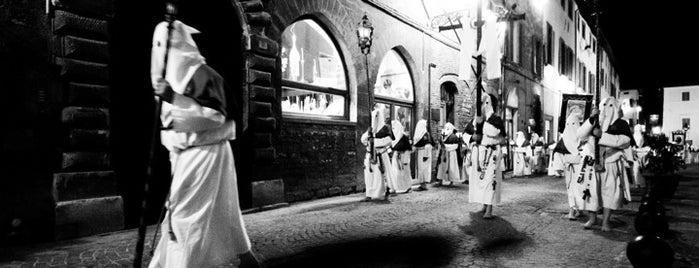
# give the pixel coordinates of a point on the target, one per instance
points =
(81, 106)
(81, 114)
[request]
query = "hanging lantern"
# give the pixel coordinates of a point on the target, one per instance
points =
(365, 34)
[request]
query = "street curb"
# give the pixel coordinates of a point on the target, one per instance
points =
(265, 208)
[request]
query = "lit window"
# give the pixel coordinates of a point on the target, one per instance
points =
(313, 73)
(394, 90)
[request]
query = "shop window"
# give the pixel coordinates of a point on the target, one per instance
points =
(313, 73)
(394, 90)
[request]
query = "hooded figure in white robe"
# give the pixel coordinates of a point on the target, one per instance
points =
(422, 141)
(521, 156)
(377, 171)
(568, 151)
(448, 171)
(203, 226)
(537, 153)
(615, 143)
(555, 167)
(640, 151)
(485, 178)
(588, 195)
(401, 147)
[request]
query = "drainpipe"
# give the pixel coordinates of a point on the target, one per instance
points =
(429, 92)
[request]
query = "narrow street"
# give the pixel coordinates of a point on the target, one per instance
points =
(434, 228)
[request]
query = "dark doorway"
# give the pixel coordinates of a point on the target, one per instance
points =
(448, 90)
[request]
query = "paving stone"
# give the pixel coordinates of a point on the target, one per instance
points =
(528, 231)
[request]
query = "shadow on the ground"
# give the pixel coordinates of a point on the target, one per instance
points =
(413, 251)
(622, 222)
(496, 236)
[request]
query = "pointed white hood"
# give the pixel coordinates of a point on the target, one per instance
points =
(183, 58)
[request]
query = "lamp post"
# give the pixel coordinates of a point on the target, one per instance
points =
(365, 34)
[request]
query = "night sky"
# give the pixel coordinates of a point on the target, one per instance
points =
(654, 42)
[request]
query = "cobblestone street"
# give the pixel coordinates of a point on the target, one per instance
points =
(434, 228)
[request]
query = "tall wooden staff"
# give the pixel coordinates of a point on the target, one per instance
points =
(598, 165)
(170, 13)
(479, 74)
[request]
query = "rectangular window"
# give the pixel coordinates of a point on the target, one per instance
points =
(594, 45)
(584, 78)
(519, 31)
(509, 37)
(561, 56)
(685, 123)
(685, 96)
(563, 4)
(570, 9)
(549, 43)
(516, 35)
(583, 30)
(536, 56)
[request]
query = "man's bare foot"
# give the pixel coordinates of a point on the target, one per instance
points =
(366, 199)
(571, 215)
(606, 228)
(589, 224)
(488, 216)
(249, 260)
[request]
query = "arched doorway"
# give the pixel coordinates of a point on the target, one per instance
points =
(447, 92)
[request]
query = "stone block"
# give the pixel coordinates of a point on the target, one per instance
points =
(83, 71)
(88, 95)
(262, 109)
(264, 46)
(262, 93)
(300, 195)
(259, 78)
(321, 193)
(81, 161)
(263, 140)
(82, 185)
(252, 5)
(333, 191)
(84, 49)
(88, 139)
(67, 23)
(99, 8)
(85, 117)
(259, 18)
(348, 189)
(267, 154)
(265, 124)
(84, 217)
(267, 192)
(262, 63)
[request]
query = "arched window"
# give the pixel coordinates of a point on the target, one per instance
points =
(314, 80)
(394, 90)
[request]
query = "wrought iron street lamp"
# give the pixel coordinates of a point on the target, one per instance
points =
(365, 35)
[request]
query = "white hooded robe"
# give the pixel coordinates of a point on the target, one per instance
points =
(203, 209)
